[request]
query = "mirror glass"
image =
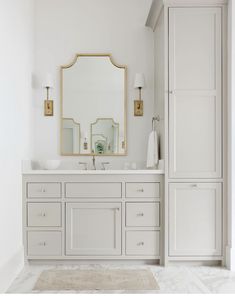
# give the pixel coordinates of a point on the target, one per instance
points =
(93, 96)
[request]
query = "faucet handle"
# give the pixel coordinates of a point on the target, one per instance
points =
(85, 165)
(103, 165)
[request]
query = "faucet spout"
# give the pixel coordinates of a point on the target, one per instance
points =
(93, 162)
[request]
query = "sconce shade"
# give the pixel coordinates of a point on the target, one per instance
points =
(48, 81)
(139, 80)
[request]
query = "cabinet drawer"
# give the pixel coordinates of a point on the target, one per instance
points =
(142, 243)
(150, 190)
(44, 214)
(44, 243)
(93, 190)
(143, 214)
(44, 190)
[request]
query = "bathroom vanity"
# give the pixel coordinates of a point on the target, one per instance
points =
(93, 214)
(138, 214)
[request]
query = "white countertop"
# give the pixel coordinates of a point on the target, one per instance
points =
(92, 172)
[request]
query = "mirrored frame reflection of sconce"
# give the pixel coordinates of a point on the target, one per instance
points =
(48, 104)
(139, 104)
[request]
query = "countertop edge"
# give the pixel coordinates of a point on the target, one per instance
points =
(98, 172)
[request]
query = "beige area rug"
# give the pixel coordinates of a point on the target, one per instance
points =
(90, 280)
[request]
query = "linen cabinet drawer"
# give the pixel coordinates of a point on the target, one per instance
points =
(44, 243)
(44, 190)
(142, 243)
(44, 214)
(93, 190)
(150, 190)
(143, 214)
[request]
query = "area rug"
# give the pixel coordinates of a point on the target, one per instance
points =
(102, 279)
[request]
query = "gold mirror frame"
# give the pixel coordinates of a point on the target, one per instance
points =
(125, 103)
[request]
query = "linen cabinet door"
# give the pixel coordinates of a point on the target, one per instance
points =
(93, 229)
(195, 219)
(195, 93)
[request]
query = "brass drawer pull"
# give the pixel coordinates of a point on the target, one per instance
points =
(42, 214)
(140, 244)
(43, 244)
(140, 214)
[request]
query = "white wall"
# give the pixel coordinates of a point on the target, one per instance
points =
(15, 94)
(66, 27)
(159, 78)
(231, 133)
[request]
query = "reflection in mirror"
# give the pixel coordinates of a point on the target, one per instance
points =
(104, 136)
(71, 136)
(93, 93)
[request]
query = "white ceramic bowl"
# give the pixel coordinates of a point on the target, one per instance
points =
(51, 164)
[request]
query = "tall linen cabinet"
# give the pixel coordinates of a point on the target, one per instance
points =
(190, 97)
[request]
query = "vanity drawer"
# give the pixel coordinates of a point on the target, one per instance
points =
(143, 214)
(93, 190)
(44, 190)
(44, 214)
(44, 243)
(143, 243)
(151, 190)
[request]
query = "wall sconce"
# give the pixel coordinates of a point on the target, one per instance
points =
(139, 104)
(48, 104)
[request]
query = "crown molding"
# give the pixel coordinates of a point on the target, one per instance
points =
(157, 6)
(194, 2)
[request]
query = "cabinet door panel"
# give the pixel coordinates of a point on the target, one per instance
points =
(195, 219)
(93, 229)
(195, 93)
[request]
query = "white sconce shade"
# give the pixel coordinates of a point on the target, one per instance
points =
(49, 81)
(139, 80)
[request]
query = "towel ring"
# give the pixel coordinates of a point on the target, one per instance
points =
(154, 119)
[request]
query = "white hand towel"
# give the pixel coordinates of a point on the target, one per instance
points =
(152, 156)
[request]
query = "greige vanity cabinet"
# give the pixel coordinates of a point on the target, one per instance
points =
(195, 82)
(190, 63)
(93, 215)
(195, 216)
(93, 228)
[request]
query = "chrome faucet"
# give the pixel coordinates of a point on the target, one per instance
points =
(103, 165)
(93, 163)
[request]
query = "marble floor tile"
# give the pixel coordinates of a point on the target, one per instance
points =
(171, 279)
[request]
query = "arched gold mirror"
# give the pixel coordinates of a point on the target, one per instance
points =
(93, 106)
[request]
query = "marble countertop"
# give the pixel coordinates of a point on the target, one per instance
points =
(92, 172)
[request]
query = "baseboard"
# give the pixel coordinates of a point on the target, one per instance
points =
(195, 263)
(230, 258)
(10, 270)
(92, 261)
